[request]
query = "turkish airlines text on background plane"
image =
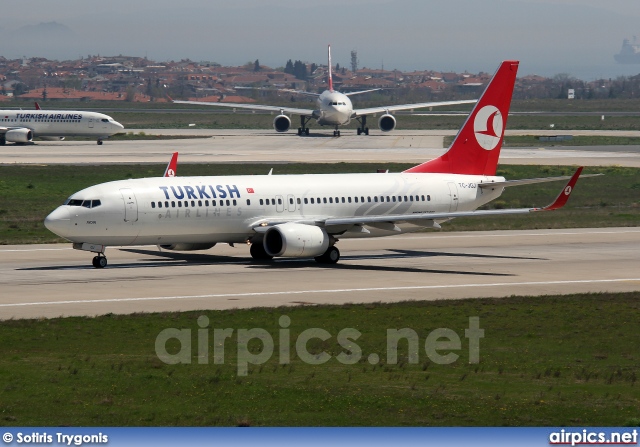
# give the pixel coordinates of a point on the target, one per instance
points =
(332, 109)
(21, 126)
(302, 215)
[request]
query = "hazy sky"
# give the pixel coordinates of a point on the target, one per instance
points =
(578, 37)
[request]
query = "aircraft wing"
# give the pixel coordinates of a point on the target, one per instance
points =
(264, 108)
(531, 181)
(339, 225)
(394, 108)
(362, 91)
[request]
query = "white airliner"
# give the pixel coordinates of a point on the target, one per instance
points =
(332, 109)
(302, 215)
(21, 126)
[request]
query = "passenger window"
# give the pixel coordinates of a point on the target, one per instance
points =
(369, 199)
(349, 199)
(199, 202)
(306, 200)
(213, 203)
(428, 198)
(166, 204)
(375, 198)
(173, 204)
(279, 201)
(153, 204)
(330, 199)
(382, 198)
(298, 200)
(179, 204)
(193, 204)
(159, 204)
(235, 203)
(343, 200)
(206, 203)
(311, 200)
(394, 198)
(248, 202)
(290, 200)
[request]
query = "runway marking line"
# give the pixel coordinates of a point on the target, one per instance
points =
(300, 292)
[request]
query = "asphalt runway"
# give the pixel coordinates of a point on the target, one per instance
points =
(54, 280)
(264, 146)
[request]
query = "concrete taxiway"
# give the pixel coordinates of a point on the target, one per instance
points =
(54, 280)
(265, 146)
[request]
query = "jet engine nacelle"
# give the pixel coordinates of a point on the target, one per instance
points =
(52, 138)
(281, 123)
(19, 136)
(188, 247)
(387, 122)
(295, 240)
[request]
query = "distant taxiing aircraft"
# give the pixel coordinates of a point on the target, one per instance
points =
(20, 126)
(332, 109)
(303, 215)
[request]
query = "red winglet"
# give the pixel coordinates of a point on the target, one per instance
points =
(172, 167)
(562, 198)
(330, 80)
(37, 106)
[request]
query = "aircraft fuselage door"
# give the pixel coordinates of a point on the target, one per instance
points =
(130, 205)
(291, 203)
(90, 123)
(279, 204)
(453, 193)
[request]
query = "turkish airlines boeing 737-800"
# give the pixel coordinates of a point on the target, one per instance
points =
(302, 215)
(20, 126)
(332, 109)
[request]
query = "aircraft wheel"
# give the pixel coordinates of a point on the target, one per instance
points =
(359, 131)
(331, 256)
(3, 141)
(99, 262)
(306, 131)
(366, 131)
(258, 253)
(299, 131)
(99, 142)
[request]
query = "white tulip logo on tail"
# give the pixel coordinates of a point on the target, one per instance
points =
(488, 125)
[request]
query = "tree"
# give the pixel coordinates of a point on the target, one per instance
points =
(289, 67)
(337, 67)
(256, 66)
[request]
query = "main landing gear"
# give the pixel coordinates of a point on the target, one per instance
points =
(331, 256)
(363, 129)
(99, 142)
(336, 133)
(99, 261)
(258, 253)
(303, 129)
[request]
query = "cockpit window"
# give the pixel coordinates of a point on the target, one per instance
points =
(84, 203)
(104, 120)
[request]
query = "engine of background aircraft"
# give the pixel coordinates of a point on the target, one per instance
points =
(387, 123)
(281, 123)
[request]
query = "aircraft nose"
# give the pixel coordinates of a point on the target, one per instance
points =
(118, 125)
(58, 221)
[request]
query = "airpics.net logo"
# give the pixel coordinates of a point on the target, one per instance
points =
(256, 346)
(487, 126)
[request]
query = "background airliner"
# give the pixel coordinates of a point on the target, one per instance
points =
(22, 126)
(332, 109)
(303, 215)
